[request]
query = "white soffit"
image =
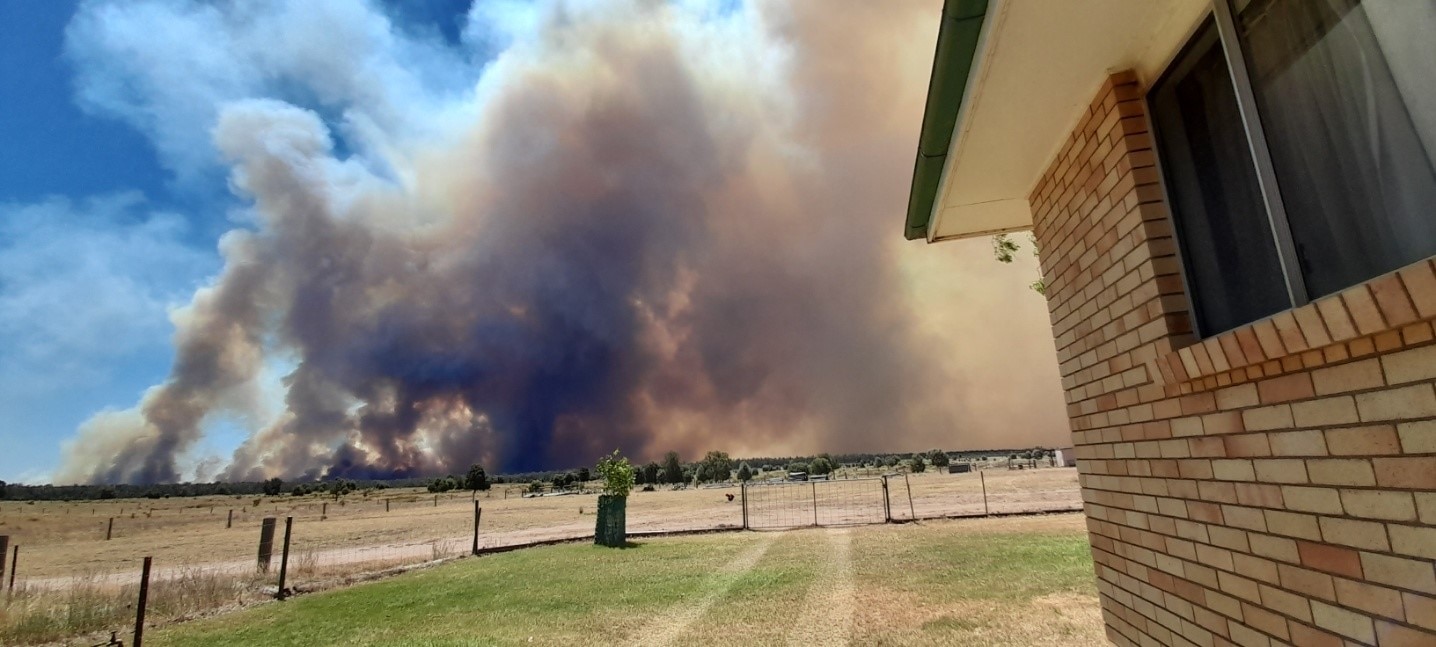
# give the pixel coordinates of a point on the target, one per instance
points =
(1040, 66)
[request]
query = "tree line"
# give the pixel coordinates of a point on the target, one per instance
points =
(715, 466)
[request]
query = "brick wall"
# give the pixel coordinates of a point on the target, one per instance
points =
(1272, 485)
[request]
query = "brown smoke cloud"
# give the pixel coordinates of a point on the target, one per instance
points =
(650, 234)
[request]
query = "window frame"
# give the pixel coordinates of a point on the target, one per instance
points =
(1277, 219)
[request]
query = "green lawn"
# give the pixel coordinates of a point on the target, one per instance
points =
(974, 582)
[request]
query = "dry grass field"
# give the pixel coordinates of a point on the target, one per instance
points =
(66, 564)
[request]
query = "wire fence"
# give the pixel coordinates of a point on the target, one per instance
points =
(79, 569)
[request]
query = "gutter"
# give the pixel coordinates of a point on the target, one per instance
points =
(957, 39)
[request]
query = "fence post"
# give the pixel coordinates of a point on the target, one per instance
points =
(912, 513)
(815, 502)
(745, 505)
(436, 500)
(110, 529)
(230, 522)
(324, 512)
(140, 605)
(478, 512)
(14, 565)
(887, 503)
(4, 550)
(284, 556)
(266, 543)
(983, 478)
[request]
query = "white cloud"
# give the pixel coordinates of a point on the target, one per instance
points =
(85, 283)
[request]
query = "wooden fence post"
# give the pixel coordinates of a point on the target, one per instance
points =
(983, 478)
(815, 502)
(266, 543)
(4, 550)
(14, 565)
(478, 512)
(230, 523)
(745, 506)
(887, 502)
(324, 512)
(911, 512)
(110, 529)
(140, 605)
(284, 556)
(386, 505)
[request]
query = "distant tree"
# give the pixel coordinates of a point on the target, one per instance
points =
(715, 466)
(299, 490)
(4, 489)
(273, 487)
(651, 472)
(798, 466)
(821, 465)
(672, 468)
(107, 493)
(890, 461)
(536, 486)
(584, 475)
(442, 484)
(938, 458)
(745, 473)
(499, 480)
(917, 463)
(477, 479)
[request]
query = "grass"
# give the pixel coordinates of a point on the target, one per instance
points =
(91, 604)
(1011, 581)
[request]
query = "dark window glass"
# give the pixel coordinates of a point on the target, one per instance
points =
(1233, 274)
(1346, 91)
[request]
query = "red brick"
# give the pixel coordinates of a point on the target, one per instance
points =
(1406, 472)
(1363, 310)
(1391, 297)
(1332, 559)
(1338, 321)
(1420, 282)
(1296, 386)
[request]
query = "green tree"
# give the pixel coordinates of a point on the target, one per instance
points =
(821, 465)
(745, 473)
(918, 464)
(617, 474)
(4, 489)
(799, 466)
(890, 461)
(938, 458)
(584, 475)
(672, 468)
(536, 486)
(477, 479)
(650, 472)
(273, 487)
(716, 466)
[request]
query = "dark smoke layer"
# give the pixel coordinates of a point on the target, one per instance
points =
(654, 230)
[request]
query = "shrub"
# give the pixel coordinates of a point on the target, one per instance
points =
(918, 464)
(273, 487)
(477, 479)
(938, 458)
(745, 473)
(616, 473)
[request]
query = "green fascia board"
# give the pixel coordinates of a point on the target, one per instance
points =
(957, 39)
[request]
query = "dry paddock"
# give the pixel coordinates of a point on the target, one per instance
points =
(61, 540)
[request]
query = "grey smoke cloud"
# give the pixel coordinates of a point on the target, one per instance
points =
(643, 225)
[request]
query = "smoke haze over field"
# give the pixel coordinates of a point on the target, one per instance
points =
(585, 225)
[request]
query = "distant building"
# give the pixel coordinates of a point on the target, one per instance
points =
(797, 476)
(959, 468)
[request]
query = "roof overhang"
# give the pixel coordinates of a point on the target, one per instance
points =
(1010, 80)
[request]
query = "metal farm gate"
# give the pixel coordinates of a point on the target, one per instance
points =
(796, 504)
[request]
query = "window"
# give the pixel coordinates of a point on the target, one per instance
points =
(1298, 142)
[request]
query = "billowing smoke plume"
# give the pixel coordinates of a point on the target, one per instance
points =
(644, 225)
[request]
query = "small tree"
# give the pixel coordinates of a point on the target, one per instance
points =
(797, 466)
(716, 466)
(584, 475)
(938, 458)
(672, 468)
(918, 464)
(477, 479)
(273, 487)
(536, 486)
(651, 472)
(745, 473)
(617, 474)
(821, 465)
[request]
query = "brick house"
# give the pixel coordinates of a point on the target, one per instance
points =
(1235, 204)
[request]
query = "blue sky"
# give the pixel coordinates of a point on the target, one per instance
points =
(108, 218)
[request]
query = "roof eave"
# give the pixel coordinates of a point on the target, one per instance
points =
(958, 37)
